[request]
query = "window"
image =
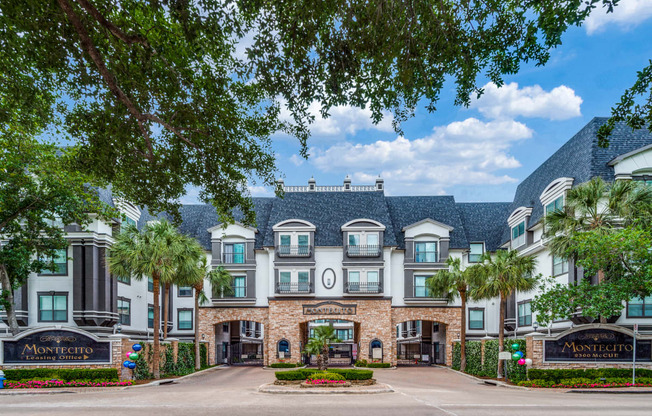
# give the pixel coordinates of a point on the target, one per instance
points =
(150, 284)
(234, 253)
(425, 252)
(184, 318)
(476, 318)
(150, 316)
(285, 280)
(640, 308)
(518, 235)
(285, 244)
(372, 240)
(53, 307)
(225, 327)
(284, 348)
(60, 260)
(559, 265)
(239, 286)
(525, 313)
(185, 291)
(556, 205)
(304, 280)
(124, 311)
(477, 250)
(372, 280)
(420, 289)
(344, 334)
(354, 280)
(124, 279)
(354, 239)
(303, 243)
(126, 223)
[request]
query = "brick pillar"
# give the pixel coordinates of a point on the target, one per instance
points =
(207, 321)
(119, 348)
(534, 350)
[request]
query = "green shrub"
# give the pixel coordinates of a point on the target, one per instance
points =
(361, 363)
(284, 365)
(325, 376)
(379, 365)
(473, 357)
(290, 375)
(515, 372)
(103, 374)
(304, 373)
(457, 350)
(490, 366)
(557, 375)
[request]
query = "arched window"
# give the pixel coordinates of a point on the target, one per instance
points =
(376, 350)
(283, 349)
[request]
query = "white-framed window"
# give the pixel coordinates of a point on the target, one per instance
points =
(420, 288)
(559, 265)
(304, 280)
(124, 311)
(294, 244)
(425, 251)
(556, 205)
(476, 252)
(52, 307)
(364, 244)
(239, 286)
(518, 235)
(354, 278)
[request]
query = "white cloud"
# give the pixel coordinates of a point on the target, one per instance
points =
(297, 160)
(510, 101)
(260, 190)
(343, 120)
(465, 152)
(627, 14)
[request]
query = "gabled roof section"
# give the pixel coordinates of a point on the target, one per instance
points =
(408, 210)
(484, 221)
(579, 158)
(428, 221)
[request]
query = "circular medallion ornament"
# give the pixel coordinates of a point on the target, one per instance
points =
(328, 278)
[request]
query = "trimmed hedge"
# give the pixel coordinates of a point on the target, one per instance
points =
(284, 365)
(475, 366)
(515, 372)
(583, 382)
(325, 376)
(303, 374)
(490, 366)
(103, 374)
(556, 376)
(379, 365)
(474, 357)
(457, 357)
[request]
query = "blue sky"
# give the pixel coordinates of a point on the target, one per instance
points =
(482, 153)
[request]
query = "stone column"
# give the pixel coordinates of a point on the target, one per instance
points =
(118, 351)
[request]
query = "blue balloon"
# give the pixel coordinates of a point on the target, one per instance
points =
(136, 347)
(125, 364)
(519, 353)
(132, 365)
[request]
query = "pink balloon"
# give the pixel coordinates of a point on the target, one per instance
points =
(129, 353)
(521, 361)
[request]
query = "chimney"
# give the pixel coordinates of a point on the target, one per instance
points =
(312, 184)
(347, 183)
(380, 183)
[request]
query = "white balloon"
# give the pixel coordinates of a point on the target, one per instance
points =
(528, 362)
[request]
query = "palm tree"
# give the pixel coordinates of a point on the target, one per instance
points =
(501, 276)
(158, 251)
(318, 344)
(597, 206)
(220, 281)
(452, 283)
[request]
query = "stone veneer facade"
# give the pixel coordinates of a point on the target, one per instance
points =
(285, 319)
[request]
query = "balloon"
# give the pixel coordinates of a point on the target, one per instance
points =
(521, 361)
(129, 353)
(516, 357)
(133, 356)
(528, 362)
(132, 365)
(515, 346)
(136, 347)
(519, 353)
(126, 364)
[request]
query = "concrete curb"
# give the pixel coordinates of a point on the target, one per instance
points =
(271, 388)
(489, 382)
(284, 369)
(23, 392)
(174, 380)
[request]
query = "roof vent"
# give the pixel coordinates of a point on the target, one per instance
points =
(347, 183)
(380, 183)
(312, 184)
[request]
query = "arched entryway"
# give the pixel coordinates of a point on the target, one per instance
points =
(341, 353)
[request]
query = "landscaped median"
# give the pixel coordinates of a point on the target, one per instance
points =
(45, 378)
(335, 380)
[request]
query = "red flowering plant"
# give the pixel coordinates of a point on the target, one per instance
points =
(45, 384)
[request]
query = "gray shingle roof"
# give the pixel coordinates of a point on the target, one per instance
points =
(407, 210)
(484, 221)
(328, 211)
(579, 158)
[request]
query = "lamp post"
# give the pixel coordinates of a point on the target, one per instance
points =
(535, 326)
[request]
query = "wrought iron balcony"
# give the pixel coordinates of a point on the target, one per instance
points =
(233, 258)
(363, 251)
(294, 251)
(293, 288)
(371, 287)
(426, 257)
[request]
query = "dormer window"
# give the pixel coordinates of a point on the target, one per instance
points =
(556, 205)
(518, 235)
(363, 244)
(425, 252)
(476, 252)
(234, 253)
(294, 245)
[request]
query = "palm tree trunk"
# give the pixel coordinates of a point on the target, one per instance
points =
(8, 292)
(603, 319)
(197, 349)
(501, 332)
(324, 361)
(157, 326)
(166, 305)
(463, 332)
